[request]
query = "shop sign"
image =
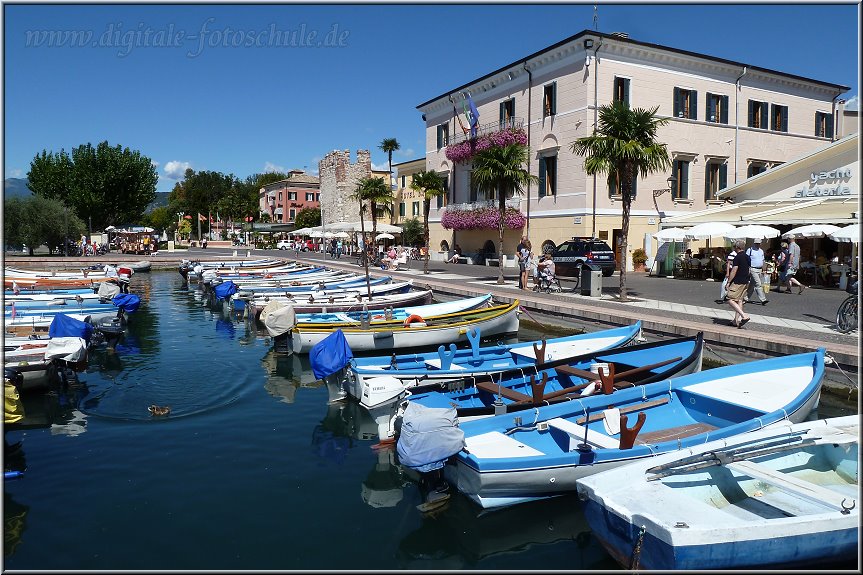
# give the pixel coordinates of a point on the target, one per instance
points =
(835, 189)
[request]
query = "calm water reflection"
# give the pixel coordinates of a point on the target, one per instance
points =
(252, 469)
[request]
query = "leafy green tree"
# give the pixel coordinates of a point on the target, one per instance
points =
(262, 180)
(430, 184)
(308, 218)
(37, 220)
(107, 184)
(412, 231)
(389, 145)
(501, 170)
(241, 200)
(161, 219)
(50, 175)
(624, 145)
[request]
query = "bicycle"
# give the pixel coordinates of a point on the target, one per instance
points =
(846, 316)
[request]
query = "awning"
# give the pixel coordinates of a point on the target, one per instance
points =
(775, 212)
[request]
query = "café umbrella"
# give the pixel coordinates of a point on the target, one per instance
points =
(670, 235)
(752, 232)
(847, 234)
(811, 231)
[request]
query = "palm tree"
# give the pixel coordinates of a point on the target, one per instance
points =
(380, 198)
(431, 186)
(501, 169)
(624, 146)
(389, 145)
(368, 190)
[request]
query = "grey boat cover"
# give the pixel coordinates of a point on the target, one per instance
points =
(107, 290)
(429, 436)
(278, 318)
(71, 349)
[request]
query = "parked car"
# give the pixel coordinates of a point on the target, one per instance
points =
(572, 254)
(284, 245)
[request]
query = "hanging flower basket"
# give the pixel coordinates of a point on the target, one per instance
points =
(464, 151)
(481, 219)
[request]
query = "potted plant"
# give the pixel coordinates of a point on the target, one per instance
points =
(639, 258)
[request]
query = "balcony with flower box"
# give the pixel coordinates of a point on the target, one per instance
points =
(463, 147)
(482, 215)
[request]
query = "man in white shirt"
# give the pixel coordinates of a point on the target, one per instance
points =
(756, 268)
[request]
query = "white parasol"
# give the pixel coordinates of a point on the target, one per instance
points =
(384, 236)
(708, 230)
(670, 235)
(753, 232)
(847, 234)
(812, 231)
(342, 235)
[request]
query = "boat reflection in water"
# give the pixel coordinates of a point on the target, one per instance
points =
(286, 373)
(14, 524)
(467, 536)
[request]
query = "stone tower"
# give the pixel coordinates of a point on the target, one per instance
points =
(339, 179)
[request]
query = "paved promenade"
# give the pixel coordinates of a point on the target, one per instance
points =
(789, 323)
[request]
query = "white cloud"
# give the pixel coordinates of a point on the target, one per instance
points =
(408, 153)
(853, 103)
(175, 170)
(271, 167)
(14, 173)
(155, 163)
(380, 167)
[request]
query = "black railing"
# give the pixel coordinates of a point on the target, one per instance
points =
(484, 129)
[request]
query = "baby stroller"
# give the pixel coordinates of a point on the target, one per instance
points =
(548, 282)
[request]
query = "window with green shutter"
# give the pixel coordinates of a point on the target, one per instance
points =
(715, 179)
(685, 103)
(681, 186)
(717, 108)
(779, 118)
(541, 191)
(549, 100)
(402, 209)
(621, 91)
(824, 125)
(442, 136)
(442, 198)
(507, 112)
(758, 114)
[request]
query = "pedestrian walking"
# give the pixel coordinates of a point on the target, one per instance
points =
(518, 250)
(723, 285)
(524, 262)
(737, 282)
(756, 269)
(793, 266)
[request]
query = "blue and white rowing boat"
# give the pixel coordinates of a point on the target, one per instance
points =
(391, 375)
(542, 452)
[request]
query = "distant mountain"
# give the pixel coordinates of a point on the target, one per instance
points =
(160, 201)
(16, 188)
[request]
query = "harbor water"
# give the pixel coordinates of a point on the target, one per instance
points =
(252, 469)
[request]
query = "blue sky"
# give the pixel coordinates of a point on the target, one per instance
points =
(245, 110)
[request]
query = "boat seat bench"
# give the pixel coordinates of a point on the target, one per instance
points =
(806, 490)
(504, 391)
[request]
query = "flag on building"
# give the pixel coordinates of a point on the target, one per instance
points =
(474, 116)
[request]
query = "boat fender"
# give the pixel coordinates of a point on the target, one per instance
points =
(413, 318)
(473, 335)
(446, 358)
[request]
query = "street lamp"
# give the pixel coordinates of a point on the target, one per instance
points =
(672, 181)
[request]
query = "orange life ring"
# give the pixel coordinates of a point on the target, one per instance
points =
(413, 318)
